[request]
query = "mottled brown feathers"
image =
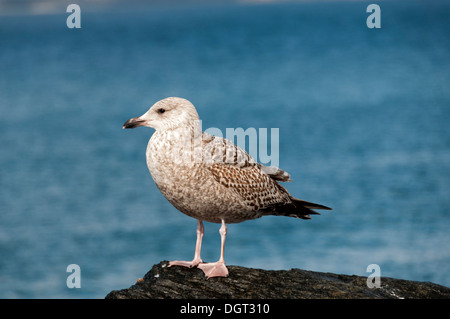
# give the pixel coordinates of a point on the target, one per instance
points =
(256, 188)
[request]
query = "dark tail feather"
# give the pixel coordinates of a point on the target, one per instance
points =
(297, 208)
(309, 204)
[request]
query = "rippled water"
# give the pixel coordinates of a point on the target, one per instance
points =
(363, 127)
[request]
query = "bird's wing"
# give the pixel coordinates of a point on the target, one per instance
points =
(276, 173)
(256, 188)
(256, 184)
(234, 168)
(218, 150)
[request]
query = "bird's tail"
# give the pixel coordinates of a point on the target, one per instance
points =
(297, 208)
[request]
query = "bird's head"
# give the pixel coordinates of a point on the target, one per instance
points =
(167, 114)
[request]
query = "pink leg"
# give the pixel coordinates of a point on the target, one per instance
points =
(217, 269)
(198, 247)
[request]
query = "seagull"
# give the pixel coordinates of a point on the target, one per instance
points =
(209, 178)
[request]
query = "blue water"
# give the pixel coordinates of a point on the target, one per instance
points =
(363, 117)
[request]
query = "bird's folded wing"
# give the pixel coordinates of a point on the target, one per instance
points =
(234, 168)
(218, 150)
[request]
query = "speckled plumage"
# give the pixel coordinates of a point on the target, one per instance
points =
(208, 177)
(208, 190)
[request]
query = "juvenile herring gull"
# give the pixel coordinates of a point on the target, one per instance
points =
(209, 178)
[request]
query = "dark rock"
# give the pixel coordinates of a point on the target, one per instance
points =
(247, 283)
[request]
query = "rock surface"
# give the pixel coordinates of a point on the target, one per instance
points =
(162, 282)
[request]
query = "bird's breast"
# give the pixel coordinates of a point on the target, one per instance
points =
(169, 158)
(189, 185)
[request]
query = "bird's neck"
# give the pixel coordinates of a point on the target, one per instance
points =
(176, 134)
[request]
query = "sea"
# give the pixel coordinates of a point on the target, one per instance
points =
(362, 116)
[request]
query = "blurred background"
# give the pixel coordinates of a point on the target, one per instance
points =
(363, 117)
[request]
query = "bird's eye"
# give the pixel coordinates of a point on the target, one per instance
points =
(161, 111)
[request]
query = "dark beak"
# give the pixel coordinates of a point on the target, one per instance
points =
(132, 123)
